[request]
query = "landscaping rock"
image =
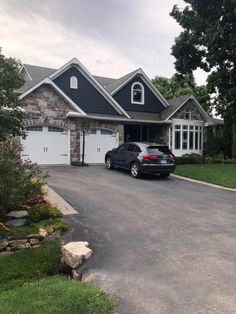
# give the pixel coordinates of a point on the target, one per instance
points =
(15, 242)
(43, 233)
(55, 235)
(34, 241)
(21, 246)
(3, 245)
(5, 253)
(75, 253)
(76, 274)
(30, 236)
(35, 246)
(16, 222)
(18, 214)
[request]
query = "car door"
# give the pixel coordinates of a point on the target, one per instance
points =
(119, 155)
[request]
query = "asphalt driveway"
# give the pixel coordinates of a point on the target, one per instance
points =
(159, 245)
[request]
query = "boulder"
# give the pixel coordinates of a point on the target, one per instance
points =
(75, 253)
(16, 222)
(18, 214)
(43, 233)
(15, 243)
(34, 241)
(3, 245)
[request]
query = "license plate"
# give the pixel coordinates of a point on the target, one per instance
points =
(163, 161)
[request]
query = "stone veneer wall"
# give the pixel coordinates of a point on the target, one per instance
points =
(45, 107)
(159, 134)
(188, 107)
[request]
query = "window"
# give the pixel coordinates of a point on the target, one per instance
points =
(137, 93)
(54, 129)
(106, 132)
(187, 137)
(73, 82)
(34, 128)
(123, 147)
(177, 139)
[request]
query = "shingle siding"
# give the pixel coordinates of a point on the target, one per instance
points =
(151, 102)
(86, 96)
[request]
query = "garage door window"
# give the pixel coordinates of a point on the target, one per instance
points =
(105, 132)
(34, 128)
(54, 129)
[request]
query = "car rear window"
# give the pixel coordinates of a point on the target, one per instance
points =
(158, 149)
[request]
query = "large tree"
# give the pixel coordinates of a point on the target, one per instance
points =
(179, 85)
(11, 114)
(208, 41)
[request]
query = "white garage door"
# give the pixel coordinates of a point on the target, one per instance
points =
(46, 145)
(97, 143)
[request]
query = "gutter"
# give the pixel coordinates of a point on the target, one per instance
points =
(72, 114)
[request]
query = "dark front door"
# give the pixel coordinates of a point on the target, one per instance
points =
(136, 132)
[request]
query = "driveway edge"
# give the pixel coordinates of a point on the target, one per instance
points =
(58, 201)
(203, 183)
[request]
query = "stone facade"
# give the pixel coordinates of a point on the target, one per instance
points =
(184, 111)
(159, 134)
(45, 107)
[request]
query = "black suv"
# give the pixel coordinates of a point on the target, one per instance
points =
(141, 158)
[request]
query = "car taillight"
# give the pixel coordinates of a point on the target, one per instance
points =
(172, 156)
(150, 157)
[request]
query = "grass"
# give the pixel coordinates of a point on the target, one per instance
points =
(55, 224)
(55, 295)
(19, 268)
(220, 174)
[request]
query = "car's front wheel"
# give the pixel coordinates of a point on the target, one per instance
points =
(134, 170)
(109, 164)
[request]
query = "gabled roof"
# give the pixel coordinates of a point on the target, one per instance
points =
(178, 102)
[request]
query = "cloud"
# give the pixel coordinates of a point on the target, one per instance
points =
(109, 37)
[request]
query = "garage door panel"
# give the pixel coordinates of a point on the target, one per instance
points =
(46, 147)
(97, 144)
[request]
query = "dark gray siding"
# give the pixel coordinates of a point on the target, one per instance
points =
(151, 102)
(86, 96)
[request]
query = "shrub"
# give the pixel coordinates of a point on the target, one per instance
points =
(43, 212)
(21, 181)
(189, 159)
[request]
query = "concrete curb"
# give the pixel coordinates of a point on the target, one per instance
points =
(58, 201)
(203, 183)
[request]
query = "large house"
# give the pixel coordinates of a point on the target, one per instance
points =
(62, 103)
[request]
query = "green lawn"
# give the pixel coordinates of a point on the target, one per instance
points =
(220, 174)
(55, 295)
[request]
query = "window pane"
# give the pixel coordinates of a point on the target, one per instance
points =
(105, 132)
(137, 96)
(177, 127)
(196, 140)
(196, 127)
(54, 129)
(200, 140)
(191, 140)
(184, 140)
(177, 139)
(131, 147)
(185, 127)
(34, 128)
(191, 127)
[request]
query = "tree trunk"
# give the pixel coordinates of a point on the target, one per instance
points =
(234, 135)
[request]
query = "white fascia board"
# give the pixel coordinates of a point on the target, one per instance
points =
(149, 84)
(50, 82)
(72, 114)
(92, 80)
(23, 67)
(204, 113)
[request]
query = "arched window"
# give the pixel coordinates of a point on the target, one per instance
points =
(137, 93)
(73, 82)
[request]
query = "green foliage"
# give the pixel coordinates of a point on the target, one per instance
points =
(56, 295)
(11, 117)
(33, 228)
(21, 182)
(214, 144)
(43, 212)
(179, 85)
(221, 174)
(208, 41)
(189, 159)
(24, 266)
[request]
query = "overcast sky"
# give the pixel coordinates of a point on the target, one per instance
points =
(110, 37)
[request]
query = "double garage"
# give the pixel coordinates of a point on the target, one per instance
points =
(51, 144)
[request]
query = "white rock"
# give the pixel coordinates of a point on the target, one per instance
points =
(43, 233)
(75, 253)
(18, 214)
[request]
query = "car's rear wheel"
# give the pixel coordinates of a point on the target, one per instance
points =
(134, 170)
(165, 174)
(109, 164)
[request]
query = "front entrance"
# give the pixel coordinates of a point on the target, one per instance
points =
(136, 132)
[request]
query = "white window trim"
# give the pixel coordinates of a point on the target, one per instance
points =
(132, 94)
(73, 82)
(181, 151)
